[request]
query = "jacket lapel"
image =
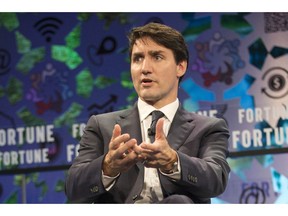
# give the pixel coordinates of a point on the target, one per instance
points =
(130, 123)
(180, 129)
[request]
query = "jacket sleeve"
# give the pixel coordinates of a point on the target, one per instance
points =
(204, 169)
(83, 181)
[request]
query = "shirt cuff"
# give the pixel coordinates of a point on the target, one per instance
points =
(109, 181)
(175, 175)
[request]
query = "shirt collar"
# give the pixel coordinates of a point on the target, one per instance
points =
(169, 110)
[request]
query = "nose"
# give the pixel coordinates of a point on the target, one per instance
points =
(146, 66)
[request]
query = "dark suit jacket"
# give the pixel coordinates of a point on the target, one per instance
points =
(201, 143)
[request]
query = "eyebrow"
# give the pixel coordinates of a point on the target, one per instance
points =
(155, 52)
(152, 53)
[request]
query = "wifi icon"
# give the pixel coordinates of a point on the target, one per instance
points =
(48, 27)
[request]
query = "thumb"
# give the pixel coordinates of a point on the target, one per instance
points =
(159, 129)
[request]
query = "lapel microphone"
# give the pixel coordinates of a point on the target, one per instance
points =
(151, 132)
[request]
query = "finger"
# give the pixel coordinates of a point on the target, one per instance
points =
(117, 138)
(148, 148)
(127, 147)
(137, 149)
(129, 160)
(119, 141)
(116, 131)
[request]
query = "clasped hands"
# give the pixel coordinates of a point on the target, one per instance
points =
(124, 152)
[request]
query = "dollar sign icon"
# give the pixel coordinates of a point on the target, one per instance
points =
(276, 79)
(276, 82)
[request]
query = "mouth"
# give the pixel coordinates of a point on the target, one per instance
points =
(146, 81)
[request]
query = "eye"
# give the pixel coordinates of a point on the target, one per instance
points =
(158, 57)
(137, 58)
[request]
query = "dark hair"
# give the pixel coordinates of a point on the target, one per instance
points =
(162, 35)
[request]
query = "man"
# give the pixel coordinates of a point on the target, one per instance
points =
(119, 163)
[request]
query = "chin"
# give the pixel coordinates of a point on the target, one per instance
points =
(149, 99)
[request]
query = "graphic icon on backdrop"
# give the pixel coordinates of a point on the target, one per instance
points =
(108, 45)
(49, 89)
(107, 106)
(48, 27)
(5, 60)
(276, 79)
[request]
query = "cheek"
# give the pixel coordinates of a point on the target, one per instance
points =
(135, 80)
(134, 71)
(133, 77)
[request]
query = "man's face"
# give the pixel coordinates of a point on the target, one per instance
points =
(155, 73)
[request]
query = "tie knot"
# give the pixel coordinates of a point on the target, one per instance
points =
(156, 114)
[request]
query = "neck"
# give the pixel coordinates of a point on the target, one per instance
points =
(159, 104)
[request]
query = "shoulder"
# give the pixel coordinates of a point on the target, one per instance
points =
(202, 119)
(115, 114)
(106, 121)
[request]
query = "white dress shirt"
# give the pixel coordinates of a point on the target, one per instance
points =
(151, 191)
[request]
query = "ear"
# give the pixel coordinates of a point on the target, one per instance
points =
(181, 68)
